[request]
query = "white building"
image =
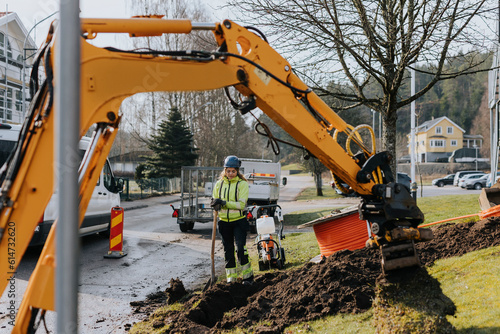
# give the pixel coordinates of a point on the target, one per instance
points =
(16, 54)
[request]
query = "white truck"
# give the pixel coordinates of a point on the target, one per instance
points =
(105, 196)
(264, 188)
(263, 180)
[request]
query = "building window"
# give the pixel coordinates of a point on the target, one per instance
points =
(439, 130)
(2, 46)
(449, 130)
(453, 143)
(437, 143)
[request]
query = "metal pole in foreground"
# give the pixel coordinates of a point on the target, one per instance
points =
(67, 113)
(412, 140)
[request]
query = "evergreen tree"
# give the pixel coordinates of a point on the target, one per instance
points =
(172, 147)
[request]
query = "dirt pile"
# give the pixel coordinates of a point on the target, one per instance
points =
(343, 283)
(176, 291)
(458, 239)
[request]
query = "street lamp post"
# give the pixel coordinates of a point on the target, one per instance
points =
(25, 58)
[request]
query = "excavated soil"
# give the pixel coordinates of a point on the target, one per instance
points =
(343, 283)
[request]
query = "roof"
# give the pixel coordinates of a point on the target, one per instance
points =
(7, 17)
(131, 156)
(473, 137)
(425, 126)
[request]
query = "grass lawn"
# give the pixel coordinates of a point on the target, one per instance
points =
(438, 208)
(301, 217)
(310, 193)
(292, 167)
(435, 208)
(470, 281)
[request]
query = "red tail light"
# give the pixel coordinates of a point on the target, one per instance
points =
(249, 215)
(175, 214)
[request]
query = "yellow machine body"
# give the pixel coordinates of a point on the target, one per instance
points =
(251, 66)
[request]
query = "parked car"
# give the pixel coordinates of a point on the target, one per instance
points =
(477, 183)
(404, 179)
(443, 181)
(459, 175)
(469, 177)
(405, 159)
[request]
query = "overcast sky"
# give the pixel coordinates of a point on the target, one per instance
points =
(32, 11)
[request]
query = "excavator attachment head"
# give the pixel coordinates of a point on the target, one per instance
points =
(398, 247)
(489, 197)
(399, 256)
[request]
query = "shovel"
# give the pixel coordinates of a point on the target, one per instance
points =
(212, 254)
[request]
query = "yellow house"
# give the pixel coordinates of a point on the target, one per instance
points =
(438, 138)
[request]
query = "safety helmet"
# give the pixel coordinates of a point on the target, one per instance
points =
(232, 161)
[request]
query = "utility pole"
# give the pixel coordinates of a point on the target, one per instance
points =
(412, 139)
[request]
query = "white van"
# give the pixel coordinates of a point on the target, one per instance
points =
(105, 196)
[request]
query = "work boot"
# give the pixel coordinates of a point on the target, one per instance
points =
(248, 281)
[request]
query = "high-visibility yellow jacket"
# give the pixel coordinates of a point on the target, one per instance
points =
(235, 193)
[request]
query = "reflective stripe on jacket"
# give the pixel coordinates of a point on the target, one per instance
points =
(235, 193)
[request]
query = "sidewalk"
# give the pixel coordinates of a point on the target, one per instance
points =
(150, 201)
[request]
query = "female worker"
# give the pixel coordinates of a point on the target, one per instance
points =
(230, 196)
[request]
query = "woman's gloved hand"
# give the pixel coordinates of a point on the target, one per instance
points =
(217, 204)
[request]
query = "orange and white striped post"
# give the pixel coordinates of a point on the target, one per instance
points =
(116, 234)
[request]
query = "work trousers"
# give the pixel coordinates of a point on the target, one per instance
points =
(232, 232)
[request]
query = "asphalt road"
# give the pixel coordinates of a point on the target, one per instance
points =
(156, 253)
(428, 191)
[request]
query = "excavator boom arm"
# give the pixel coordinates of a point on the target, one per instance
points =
(243, 60)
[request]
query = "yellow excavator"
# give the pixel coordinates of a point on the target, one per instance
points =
(243, 60)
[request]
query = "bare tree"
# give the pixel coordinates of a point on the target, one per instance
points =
(210, 117)
(366, 47)
(145, 111)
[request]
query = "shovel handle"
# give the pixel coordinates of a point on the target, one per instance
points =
(214, 231)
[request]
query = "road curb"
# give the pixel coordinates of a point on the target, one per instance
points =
(142, 206)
